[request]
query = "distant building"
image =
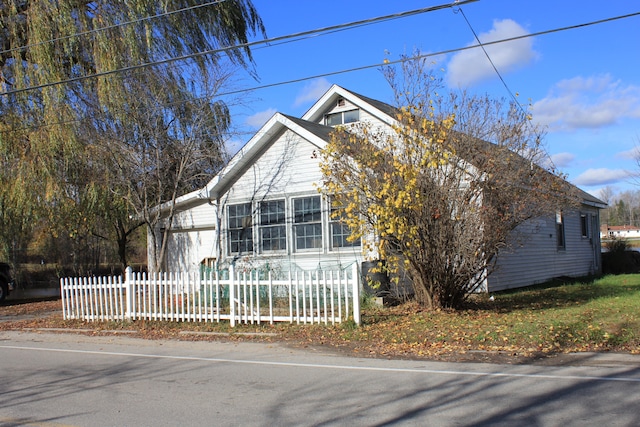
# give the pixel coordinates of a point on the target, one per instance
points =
(619, 231)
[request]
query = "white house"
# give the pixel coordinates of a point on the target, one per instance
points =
(619, 232)
(263, 210)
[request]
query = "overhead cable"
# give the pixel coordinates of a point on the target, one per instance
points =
(504, 83)
(242, 46)
(385, 63)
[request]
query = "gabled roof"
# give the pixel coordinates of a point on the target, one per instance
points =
(276, 126)
(309, 128)
(315, 133)
(321, 131)
(380, 110)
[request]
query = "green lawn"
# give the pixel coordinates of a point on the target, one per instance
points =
(585, 316)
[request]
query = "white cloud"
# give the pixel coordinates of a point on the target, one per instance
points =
(260, 118)
(472, 66)
(602, 176)
(232, 146)
(632, 154)
(562, 160)
(312, 91)
(591, 102)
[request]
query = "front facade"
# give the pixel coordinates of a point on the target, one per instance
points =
(264, 210)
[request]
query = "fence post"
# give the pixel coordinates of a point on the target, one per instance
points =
(232, 297)
(128, 288)
(356, 293)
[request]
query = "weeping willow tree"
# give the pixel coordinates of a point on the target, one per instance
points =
(98, 123)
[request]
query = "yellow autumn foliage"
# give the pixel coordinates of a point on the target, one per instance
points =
(375, 179)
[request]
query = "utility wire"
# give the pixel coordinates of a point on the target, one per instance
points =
(109, 27)
(428, 55)
(504, 83)
(387, 62)
(244, 46)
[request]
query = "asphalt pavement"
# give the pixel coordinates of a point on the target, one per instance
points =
(54, 379)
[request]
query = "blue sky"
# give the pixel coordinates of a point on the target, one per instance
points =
(583, 83)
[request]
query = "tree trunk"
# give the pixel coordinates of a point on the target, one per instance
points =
(423, 290)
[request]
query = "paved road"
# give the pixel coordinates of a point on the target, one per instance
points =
(72, 380)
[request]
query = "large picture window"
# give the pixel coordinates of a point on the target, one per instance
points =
(240, 228)
(340, 231)
(307, 219)
(273, 230)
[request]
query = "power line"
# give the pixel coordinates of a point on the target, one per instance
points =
(109, 27)
(504, 83)
(243, 46)
(387, 63)
(428, 55)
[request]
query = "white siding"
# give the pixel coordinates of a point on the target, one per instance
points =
(538, 258)
(192, 238)
(288, 165)
(187, 249)
(200, 216)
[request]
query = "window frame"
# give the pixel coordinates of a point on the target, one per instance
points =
(561, 238)
(584, 225)
(272, 221)
(301, 221)
(345, 231)
(243, 244)
(343, 117)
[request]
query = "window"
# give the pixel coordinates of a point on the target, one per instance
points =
(584, 225)
(560, 230)
(340, 231)
(341, 118)
(240, 228)
(307, 220)
(273, 230)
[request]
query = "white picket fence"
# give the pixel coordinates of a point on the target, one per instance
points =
(305, 297)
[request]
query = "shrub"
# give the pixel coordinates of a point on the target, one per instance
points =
(619, 258)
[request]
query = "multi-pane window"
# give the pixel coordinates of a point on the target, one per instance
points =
(340, 231)
(341, 118)
(307, 222)
(240, 228)
(273, 230)
(560, 230)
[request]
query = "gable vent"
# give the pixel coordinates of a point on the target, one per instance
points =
(341, 102)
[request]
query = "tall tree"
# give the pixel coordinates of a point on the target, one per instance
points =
(441, 195)
(77, 85)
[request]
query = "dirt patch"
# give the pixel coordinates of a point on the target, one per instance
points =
(17, 309)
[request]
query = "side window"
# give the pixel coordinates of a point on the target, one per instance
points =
(307, 223)
(240, 228)
(560, 230)
(340, 231)
(584, 225)
(273, 230)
